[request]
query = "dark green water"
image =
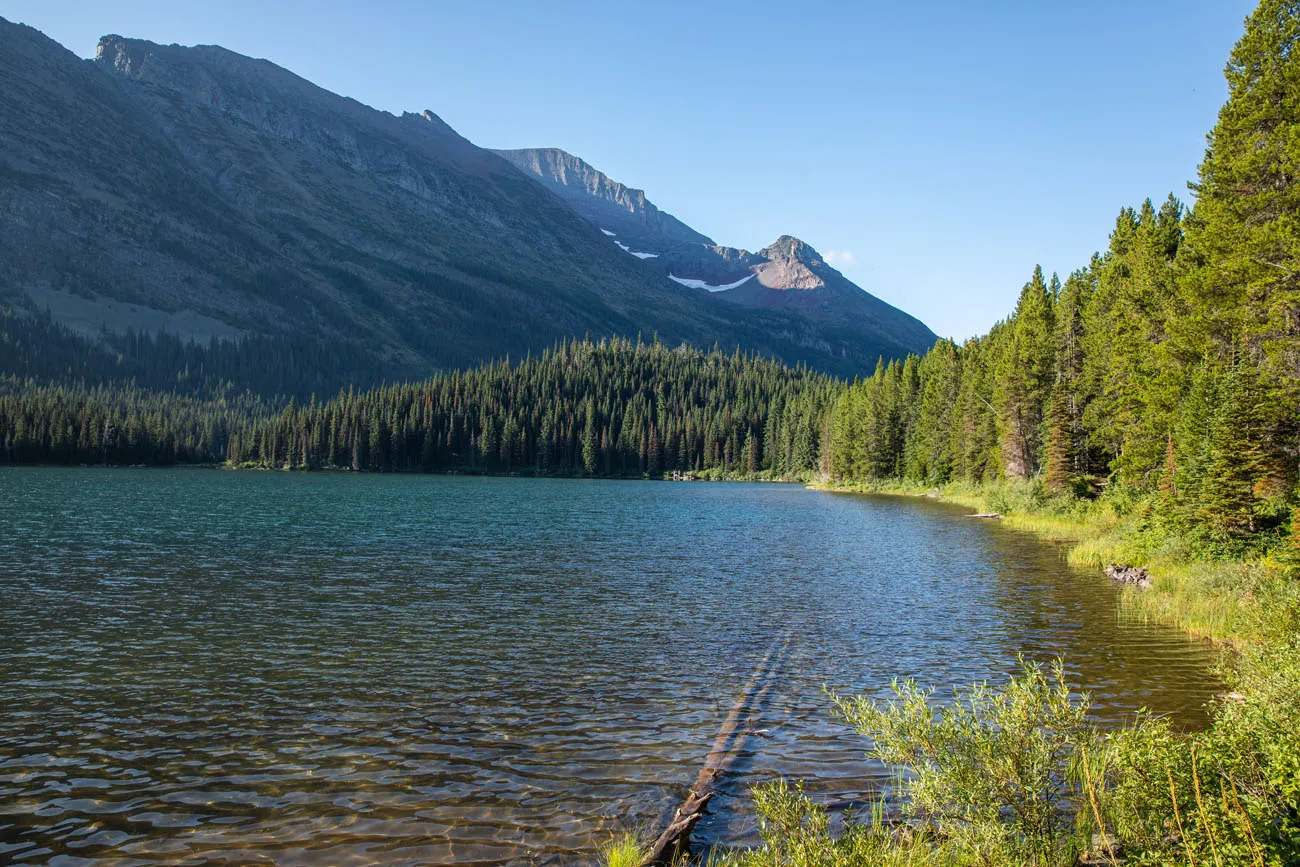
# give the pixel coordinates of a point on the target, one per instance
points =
(214, 667)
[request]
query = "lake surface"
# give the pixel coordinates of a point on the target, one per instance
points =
(211, 667)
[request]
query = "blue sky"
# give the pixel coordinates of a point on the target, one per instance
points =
(935, 152)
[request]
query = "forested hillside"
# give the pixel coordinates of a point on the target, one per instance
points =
(213, 196)
(116, 425)
(35, 347)
(584, 408)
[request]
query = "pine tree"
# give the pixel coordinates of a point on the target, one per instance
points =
(1071, 304)
(589, 454)
(1059, 459)
(1228, 502)
(1242, 289)
(1024, 372)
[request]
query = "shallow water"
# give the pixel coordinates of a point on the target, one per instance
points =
(213, 667)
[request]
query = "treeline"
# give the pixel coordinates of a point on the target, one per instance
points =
(74, 424)
(1169, 365)
(1107, 377)
(610, 408)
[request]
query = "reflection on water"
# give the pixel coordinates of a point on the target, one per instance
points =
(209, 667)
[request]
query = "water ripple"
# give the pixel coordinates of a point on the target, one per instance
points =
(216, 668)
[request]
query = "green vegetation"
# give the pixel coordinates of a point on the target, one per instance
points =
(992, 769)
(1169, 366)
(38, 349)
(1019, 776)
(623, 851)
(613, 408)
(993, 779)
(57, 424)
(1146, 410)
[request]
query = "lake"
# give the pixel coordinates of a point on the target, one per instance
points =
(207, 667)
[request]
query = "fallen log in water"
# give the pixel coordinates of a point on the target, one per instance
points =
(673, 844)
(675, 841)
(985, 515)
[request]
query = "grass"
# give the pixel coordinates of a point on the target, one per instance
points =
(1143, 795)
(625, 850)
(1206, 596)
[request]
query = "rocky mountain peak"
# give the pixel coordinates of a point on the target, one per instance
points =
(431, 122)
(792, 264)
(207, 187)
(563, 169)
(790, 247)
(123, 55)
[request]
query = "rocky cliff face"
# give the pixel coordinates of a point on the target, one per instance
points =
(601, 200)
(792, 264)
(163, 185)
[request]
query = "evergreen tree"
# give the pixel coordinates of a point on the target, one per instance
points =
(589, 454)
(1228, 501)
(1059, 457)
(1071, 303)
(1242, 288)
(1024, 374)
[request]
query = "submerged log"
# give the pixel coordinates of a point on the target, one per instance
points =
(675, 842)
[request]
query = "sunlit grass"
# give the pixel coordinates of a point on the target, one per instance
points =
(625, 850)
(1226, 795)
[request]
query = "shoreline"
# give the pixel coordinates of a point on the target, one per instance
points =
(1186, 591)
(704, 476)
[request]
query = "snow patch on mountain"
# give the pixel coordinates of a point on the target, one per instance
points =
(634, 252)
(608, 232)
(692, 283)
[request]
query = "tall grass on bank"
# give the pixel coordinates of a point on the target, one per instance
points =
(1199, 586)
(625, 850)
(1015, 775)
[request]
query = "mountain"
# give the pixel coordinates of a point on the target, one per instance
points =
(197, 192)
(787, 275)
(601, 200)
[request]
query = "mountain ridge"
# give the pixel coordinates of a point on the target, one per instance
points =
(630, 207)
(227, 197)
(788, 274)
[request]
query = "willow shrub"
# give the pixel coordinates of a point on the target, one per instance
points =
(796, 833)
(990, 772)
(1019, 776)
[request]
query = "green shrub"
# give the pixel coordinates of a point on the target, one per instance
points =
(990, 771)
(795, 833)
(1018, 496)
